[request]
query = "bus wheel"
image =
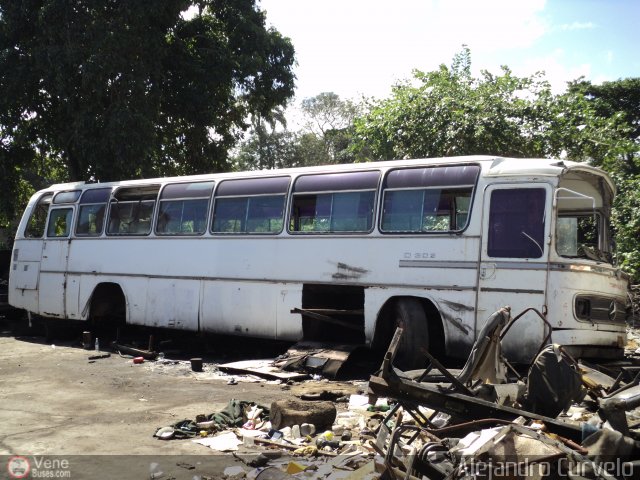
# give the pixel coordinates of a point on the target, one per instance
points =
(410, 316)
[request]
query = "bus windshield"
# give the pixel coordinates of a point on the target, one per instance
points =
(580, 235)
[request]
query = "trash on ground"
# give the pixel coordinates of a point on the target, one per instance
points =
(222, 442)
(261, 368)
(315, 357)
(136, 352)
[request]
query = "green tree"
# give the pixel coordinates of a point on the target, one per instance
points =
(614, 97)
(23, 170)
(266, 149)
(330, 119)
(325, 138)
(607, 117)
(133, 89)
(311, 150)
(449, 112)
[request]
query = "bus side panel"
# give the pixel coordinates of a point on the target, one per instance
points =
(135, 291)
(240, 308)
(289, 325)
(173, 303)
(52, 294)
(590, 338)
(72, 296)
(24, 274)
(518, 289)
(86, 286)
(22, 298)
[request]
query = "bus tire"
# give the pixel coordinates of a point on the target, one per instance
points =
(409, 314)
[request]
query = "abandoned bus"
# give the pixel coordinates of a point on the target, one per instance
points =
(336, 253)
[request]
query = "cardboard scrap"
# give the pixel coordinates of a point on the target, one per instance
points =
(261, 368)
(224, 442)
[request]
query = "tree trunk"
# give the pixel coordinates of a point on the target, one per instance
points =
(286, 413)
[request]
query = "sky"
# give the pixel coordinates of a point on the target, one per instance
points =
(361, 48)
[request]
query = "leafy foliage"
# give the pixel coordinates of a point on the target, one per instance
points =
(113, 90)
(268, 148)
(449, 112)
(326, 137)
(613, 126)
(330, 119)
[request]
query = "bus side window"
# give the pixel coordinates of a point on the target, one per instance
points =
(265, 214)
(183, 208)
(428, 200)
(93, 204)
(60, 222)
(230, 215)
(90, 221)
(250, 206)
(131, 210)
(334, 203)
(259, 214)
(38, 218)
(131, 218)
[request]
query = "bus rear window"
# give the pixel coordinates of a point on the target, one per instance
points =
(38, 218)
(345, 206)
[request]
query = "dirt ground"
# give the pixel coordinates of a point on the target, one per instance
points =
(101, 415)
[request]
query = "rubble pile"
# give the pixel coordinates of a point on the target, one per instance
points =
(565, 419)
(282, 437)
(560, 419)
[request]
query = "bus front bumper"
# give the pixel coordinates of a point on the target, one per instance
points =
(590, 343)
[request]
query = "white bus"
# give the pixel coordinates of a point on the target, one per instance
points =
(336, 253)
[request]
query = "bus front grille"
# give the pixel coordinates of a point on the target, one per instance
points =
(593, 308)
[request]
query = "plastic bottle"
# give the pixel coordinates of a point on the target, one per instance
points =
(97, 345)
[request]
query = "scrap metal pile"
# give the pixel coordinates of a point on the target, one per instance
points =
(563, 419)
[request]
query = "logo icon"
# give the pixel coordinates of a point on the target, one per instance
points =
(18, 467)
(613, 310)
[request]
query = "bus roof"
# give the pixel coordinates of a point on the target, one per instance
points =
(492, 166)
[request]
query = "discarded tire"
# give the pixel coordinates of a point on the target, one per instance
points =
(410, 315)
